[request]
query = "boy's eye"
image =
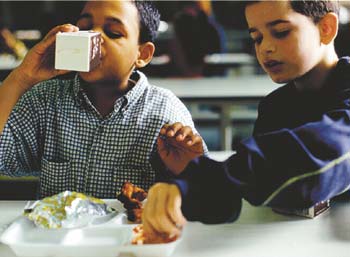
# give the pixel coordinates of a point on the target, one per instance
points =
(112, 35)
(84, 25)
(281, 34)
(257, 40)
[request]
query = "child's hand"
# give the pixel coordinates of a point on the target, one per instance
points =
(162, 212)
(38, 65)
(177, 146)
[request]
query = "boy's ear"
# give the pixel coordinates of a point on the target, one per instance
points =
(328, 26)
(146, 51)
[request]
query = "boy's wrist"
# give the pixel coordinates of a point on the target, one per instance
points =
(22, 81)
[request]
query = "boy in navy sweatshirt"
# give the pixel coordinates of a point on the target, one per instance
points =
(299, 153)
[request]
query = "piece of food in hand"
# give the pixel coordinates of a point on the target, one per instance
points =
(140, 237)
(67, 210)
(132, 196)
(135, 215)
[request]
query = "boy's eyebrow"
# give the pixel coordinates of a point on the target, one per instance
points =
(85, 15)
(275, 22)
(115, 20)
(109, 19)
(269, 24)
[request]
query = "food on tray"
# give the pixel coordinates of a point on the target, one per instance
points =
(141, 238)
(132, 196)
(67, 210)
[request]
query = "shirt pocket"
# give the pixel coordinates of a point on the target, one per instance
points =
(55, 177)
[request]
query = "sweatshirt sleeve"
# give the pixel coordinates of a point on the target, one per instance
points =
(288, 168)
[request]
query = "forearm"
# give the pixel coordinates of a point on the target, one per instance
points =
(208, 194)
(287, 168)
(296, 168)
(11, 90)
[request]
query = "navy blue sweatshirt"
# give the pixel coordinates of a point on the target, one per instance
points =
(298, 156)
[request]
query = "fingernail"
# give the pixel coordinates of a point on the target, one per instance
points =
(178, 226)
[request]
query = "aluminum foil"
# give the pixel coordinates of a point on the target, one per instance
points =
(68, 210)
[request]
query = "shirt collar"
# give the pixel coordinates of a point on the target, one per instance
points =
(336, 84)
(131, 97)
(77, 90)
(137, 90)
(338, 80)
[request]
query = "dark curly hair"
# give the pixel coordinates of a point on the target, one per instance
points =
(149, 20)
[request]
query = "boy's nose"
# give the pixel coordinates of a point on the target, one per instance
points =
(267, 47)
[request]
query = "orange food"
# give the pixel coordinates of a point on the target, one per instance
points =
(142, 238)
(132, 196)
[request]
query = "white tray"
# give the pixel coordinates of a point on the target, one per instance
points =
(104, 240)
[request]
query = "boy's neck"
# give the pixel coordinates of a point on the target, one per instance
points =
(103, 95)
(315, 79)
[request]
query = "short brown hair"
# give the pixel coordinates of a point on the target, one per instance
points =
(315, 9)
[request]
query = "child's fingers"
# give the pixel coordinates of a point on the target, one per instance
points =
(184, 132)
(147, 226)
(61, 28)
(167, 128)
(162, 149)
(160, 142)
(155, 214)
(163, 223)
(194, 140)
(148, 215)
(50, 38)
(174, 208)
(173, 129)
(164, 129)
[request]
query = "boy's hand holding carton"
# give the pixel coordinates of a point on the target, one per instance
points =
(38, 65)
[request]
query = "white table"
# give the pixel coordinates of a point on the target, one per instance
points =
(216, 59)
(218, 88)
(259, 232)
(220, 155)
(222, 92)
(230, 59)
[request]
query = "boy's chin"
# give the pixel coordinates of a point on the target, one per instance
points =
(91, 76)
(280, 80)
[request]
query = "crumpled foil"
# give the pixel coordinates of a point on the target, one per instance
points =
(67, 210)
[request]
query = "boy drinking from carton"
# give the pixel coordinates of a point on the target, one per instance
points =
(94, 132)
(300, 152)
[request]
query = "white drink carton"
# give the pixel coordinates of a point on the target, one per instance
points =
(78, 51)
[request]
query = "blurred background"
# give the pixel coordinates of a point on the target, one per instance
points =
(204, 55)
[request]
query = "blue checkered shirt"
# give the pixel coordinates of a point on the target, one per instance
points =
(56, 133)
